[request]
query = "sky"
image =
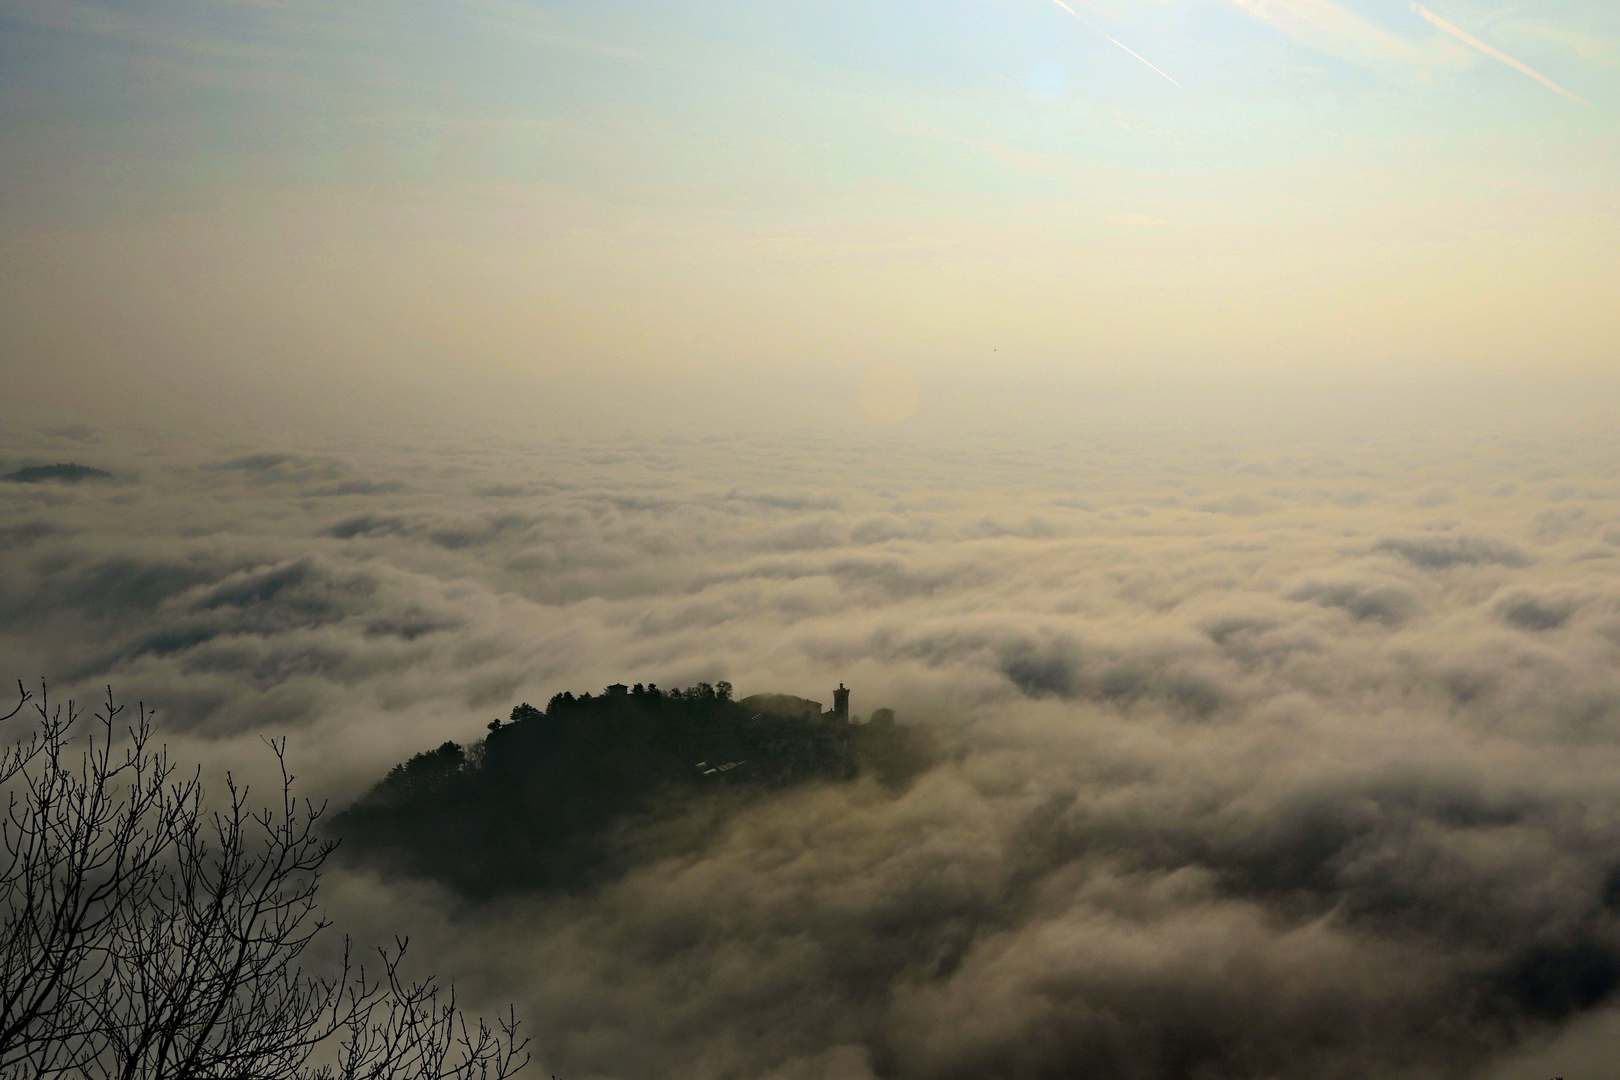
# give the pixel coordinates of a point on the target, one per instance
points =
(259, 197)
(1198, 417)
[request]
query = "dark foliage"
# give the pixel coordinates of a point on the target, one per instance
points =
(68, 474)
(537, 802)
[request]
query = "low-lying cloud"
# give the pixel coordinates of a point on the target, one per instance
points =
(1250, 763)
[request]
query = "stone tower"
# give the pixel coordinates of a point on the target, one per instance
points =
(841, 703)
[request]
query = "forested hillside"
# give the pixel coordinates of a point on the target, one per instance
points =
(551, 798)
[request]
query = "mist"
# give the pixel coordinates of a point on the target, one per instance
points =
(1258, 753)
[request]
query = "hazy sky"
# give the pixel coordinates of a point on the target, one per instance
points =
(252, 193)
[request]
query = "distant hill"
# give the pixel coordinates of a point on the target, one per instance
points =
(67, 474)
(551, 799)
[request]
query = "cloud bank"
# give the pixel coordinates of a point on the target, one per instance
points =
(1258, 759)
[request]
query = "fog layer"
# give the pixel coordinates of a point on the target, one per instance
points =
(1292, 758)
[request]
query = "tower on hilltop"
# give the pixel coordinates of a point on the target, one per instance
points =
(841, 703)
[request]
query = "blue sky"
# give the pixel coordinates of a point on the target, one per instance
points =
(305, 82)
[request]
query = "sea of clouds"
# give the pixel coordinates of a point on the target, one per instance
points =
(1259, 757)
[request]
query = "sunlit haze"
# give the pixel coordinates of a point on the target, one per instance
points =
(248, 193)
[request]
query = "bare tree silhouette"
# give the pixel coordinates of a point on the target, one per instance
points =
(145, 937)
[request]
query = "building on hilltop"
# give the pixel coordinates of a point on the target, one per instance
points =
(782, 705)
(617, 689)
(786, 705)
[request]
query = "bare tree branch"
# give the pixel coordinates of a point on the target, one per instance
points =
(145, 938)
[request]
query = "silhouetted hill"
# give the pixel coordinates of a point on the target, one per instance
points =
(69, 473)
(542, 801)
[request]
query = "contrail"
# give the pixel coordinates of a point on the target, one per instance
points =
(1093, 7)
(1468, 39)
(1113, 39)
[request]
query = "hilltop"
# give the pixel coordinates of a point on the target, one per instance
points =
(69, 473)
(544, 799)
